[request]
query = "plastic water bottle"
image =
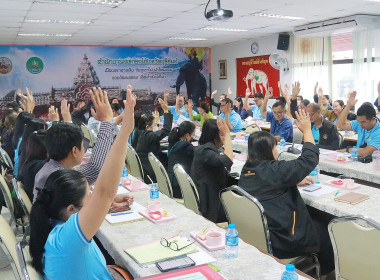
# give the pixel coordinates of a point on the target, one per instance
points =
(153, 193)
(315, 174)
(232, 242)
(246, 137)
(354, 153)
(125, 178)
(282, 144)
(289, 273)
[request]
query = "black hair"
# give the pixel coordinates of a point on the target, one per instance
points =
(138, 115)
(260, 146)
(61, 138)
(115, 106)
(223, 94)
(300, 96)
(77, 101)
(340, 102)
(35, 148)
(177, 132)
(315, 107)
(258, 95)
(145, 121)
(14, 106)
(278, 103)
(10, 120)
(367, 110)
(238, 99)
(62, 188)
(281, 99)
(210, 134)
(204, 106)
(22, 119)
(351, 117)
(305, 102)
(6, 113)
(228, 101)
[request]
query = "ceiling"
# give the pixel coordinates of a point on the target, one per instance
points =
(152, 22)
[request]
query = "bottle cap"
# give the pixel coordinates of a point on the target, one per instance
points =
(231, 226)
(282, 138)
(290, 267)
(317, 182)
(355, 147)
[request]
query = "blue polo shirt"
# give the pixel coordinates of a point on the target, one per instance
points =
(370, 137)
(315, 132)
(256, 112)
(69, 255)
(283, 128)
(176, 115)
(235, 120)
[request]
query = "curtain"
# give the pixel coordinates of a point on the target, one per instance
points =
(366, 64)
(312, 62)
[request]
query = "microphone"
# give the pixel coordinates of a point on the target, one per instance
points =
(293, 150)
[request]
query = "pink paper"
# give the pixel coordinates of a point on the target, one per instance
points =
(136, 186)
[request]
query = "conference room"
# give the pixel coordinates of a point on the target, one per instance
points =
(189, 139)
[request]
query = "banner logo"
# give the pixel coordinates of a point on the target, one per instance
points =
(34, 65)
(5, 65)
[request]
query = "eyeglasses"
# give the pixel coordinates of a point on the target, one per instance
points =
(173, 245)
(221, 105)
(278, 113)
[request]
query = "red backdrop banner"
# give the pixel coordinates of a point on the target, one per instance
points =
(256, 74)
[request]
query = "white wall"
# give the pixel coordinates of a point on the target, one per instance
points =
(229, 52)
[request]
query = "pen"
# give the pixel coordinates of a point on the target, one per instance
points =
(118, 214)
(337, 193)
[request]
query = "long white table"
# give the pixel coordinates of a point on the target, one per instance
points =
(251, 264)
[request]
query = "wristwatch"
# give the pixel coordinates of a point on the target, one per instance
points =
(348, 149)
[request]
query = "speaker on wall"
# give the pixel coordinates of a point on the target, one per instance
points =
(283, 42)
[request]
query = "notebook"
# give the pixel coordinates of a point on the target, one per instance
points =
(352, 198)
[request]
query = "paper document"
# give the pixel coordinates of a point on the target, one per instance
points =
(201, 257)
(181, 119)
(122, 190)
(322, 191)
(192, 276)
(237, 163)
(128, 216)
(154, 252)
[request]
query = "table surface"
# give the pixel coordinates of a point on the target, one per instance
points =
(326, 203)
(251, 263)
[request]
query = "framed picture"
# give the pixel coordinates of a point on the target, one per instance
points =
(222, 69)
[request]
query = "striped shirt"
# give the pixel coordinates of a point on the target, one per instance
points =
(90, 170)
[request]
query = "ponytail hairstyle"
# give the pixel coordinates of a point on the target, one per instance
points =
(177, 132)
(62, 188)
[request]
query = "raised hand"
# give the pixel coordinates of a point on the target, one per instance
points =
(315, 88)
(223, 128)
(129, 111)
(165, 106)
(53, 114)
(190, 104)
(296, 89)
(28, 100)
(351, 100)
(303, 121)
(229, 91)
(65, 111)
(247, 92)
(103, 110)
(213, 93)
(269, 93)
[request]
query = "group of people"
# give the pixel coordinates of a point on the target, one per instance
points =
(68, 208)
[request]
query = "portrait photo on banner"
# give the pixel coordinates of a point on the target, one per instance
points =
(256, 74)
(222, 69)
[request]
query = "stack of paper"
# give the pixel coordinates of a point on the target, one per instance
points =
(128, 216)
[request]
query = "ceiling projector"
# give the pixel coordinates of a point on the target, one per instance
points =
(219, 13)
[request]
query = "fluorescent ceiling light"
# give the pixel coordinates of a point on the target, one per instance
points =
(44, 35)
(187, 39)
(57, 21)
(277, 16)
(224, 29)
(113, 3)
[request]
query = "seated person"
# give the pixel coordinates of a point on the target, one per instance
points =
(149, 140)
(6, 138)
(180, 151)
(233, 119)
(254, 110)
(274, 183)
(64, 143)
(280, 125)
(325, 133)
(295, 104)
(179, 107)
(81, 112)
(367, 126)
(324, 98)
(138, 115)
(65, 217)
(204, 113)
(216, 104)
(209, 168)
(238, 108)
(188, 109)
(376, 103)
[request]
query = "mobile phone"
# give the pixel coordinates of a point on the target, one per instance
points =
(312, 188)
(175, 263)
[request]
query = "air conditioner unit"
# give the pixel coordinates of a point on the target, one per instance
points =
(338, 26)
